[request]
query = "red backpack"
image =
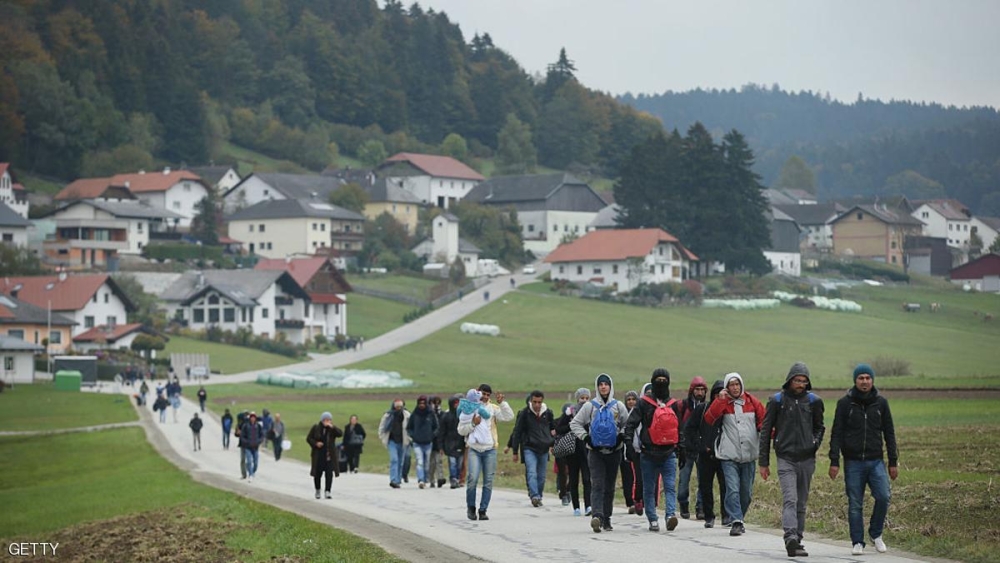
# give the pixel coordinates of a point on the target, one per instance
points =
(663, 431)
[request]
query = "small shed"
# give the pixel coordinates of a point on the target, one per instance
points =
(68, 380)
(18, 359)
(86, 365)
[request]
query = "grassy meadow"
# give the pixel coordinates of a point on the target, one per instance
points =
(227, 358)
(370, 316)
(41, 407)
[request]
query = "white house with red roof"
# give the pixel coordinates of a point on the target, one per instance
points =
(326, 287)
(91, 300)
(945, 218)
(108, 337)
(434, 180)
(622, 258)
(177, 191)
(11, 193)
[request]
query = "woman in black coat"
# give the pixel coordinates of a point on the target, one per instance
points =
(322, 440)
(354, 440)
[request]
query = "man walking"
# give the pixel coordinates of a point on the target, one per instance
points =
(202, 397)
(659, 441)
(700, 436)
(738, 446)
(251, 436)
(422, 427)
(195, 425)
(534, 434)
(392, 433)
(862, 423)
(227, 427)
(452, 443)
(794, 418)
(600, 423)
(482, 441)
(697, 392)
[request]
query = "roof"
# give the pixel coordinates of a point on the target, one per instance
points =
(779, 197)
(950, 209)
(292, 209)
(11, 218)
(466, 247)
(11, 344)
(242, 287)
(16, 311)
(614, 244)
(985, 265)
(69, 294)
(884, 214)
(383, 190)
(302, 270)
(297, 186)
(606, 217)
(108, 334)
(140, 182)
(326, 299)
(132, 209)
(991, 222)
(812, 214)
(84, 188)
(525, 187)
(437, 166)
(211, 174)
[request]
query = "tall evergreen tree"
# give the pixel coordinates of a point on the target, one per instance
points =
(515, 152)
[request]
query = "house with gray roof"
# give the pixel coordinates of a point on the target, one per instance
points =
(13, 227)
(987, 229)
(288, 227)
(549, 206)
(256, 188)
(444, 247)
(783, 252)
(220, 178)
(874, 231)
(18, 359)
(814, 219)
(266, 301)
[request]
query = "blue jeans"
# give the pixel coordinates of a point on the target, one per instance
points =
(535, 465)
(739, 486)
(857, 474)
(423, 452)
(684, 486)
(225, 439)
(454, 467)
(250, 454)
(653, 469)
(484, 463)
(396, 451)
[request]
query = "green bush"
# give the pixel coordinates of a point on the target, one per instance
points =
(887, 366)
(862, 269)
(182, 252)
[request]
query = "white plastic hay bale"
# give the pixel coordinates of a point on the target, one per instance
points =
(830, 304)
(264, 378)
(740, 304)
(473, 328)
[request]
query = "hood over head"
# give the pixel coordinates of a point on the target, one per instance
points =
(325, 416)
(717, 388)
(583, 391)
(473, 395)
(731, 376)
(798, 368)
(697, 381)
(661, 390)
(453, 401)
(605, 378)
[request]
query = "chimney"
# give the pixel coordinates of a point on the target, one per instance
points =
(166, 170)
(201, 279)
(128, 184)
(62, 275)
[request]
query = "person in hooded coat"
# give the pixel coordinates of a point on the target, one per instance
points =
(452, 443)
(422, 427)
(629, 461)
(658, 461)
(794, 421)
(700, 436)
(534, 434)
(354, 443)
(227, 427)
(392, 433)
(603, 459)
(577, 468)
(738, 445)
(697, 393)
(322, 439)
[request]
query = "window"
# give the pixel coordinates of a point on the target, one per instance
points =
(270, 246)
(315, 226)
(322, 227)
(661, 250)
(347, 228)
(16, 333)
(924, 215)
(138, 226)
(261, 228)
(676, 271)
(860, 216)
(663, 268)
(112, 320)
(893, 259)
(652, 269)
(94, 298)
(107, 297)
(281, 314)
(199, 316)
(267, 192)
(579, 270)
(263, 313)
(950, 226)
(213, 316)
(177, 205)
(893, 244)
(88, 321)
(347, 246)
(55, 337)
(8, 363)
(966, 229)
(614, 269)
(243, 314)
(565, 228)
(597, 270)
(251, 227)
(561, 269)
(555, 228)
(531, 228)
(213, 299)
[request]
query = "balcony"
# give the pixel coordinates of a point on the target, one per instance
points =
(289, 323)
(67, 244)
(283, 300)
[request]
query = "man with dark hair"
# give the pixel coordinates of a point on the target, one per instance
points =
(251, 437)
(794, 418)
(659, 417)
(862, 423)
(481, 439)
(700, 436)
(697, 392)
(534, 434)
(392, 433)
(452, 443)
(600, 423)
(422, 427)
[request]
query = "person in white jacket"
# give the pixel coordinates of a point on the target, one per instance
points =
(477, 422)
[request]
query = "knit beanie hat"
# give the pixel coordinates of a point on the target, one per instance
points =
(473, 395)
(581, 392)
(604, 378)
(325, 416)
(863, 368)
(631, 395)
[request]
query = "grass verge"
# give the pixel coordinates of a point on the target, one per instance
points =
(42, 407)
(227, 358)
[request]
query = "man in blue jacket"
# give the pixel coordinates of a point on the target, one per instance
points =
(251, 436)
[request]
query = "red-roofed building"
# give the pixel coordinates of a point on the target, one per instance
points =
(982, 274)
(108, 337)
(88, 299)
(178, 191)
(434, 180)
(11, 193)
(622, 258)
(325, 285)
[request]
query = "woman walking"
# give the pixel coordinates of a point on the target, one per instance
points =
(354, 440)
(277, 435)
(322, 439)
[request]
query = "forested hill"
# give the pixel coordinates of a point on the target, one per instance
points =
(863, 148)
(97, 85)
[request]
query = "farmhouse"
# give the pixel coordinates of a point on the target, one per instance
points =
(13, 227)
(285, 227)
(622, 258)
(434, 180)
(445, 246)
(982, 274)
(256, 188)
(326, 286)
(815, 221)
(783, 252)
(876, 232)
(31, 323)
(89, 300)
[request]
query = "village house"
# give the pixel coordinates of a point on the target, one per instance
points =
(815, 220)
(982, 274)
(445, 246)
(265, 301)
(31, 323)
(622, 258)
(385, 196)
(219, 178)
(607, 218)
(286, 227)
(549, 207)
(18, 360)
(784, 251)
(256, 188)
(326, 286)
(948, 219)
(435, 180)
(874, 232)
(987, 229)
(105, 337)
(12, 193)
(89, 300)
(13, 227)
(177, 191)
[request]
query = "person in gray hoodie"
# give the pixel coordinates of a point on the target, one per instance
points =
(794, 417)
(600, 423)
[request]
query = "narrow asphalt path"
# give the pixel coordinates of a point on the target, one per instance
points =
(94, 428)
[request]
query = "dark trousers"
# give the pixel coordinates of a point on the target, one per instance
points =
(603, 475)
(353, 457)
(578, 467)
(327, 470)
(628, 482)
(709, 470)
(561, 468)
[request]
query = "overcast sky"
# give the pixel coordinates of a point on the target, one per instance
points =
(940, 51)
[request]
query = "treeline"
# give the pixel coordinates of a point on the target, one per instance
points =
(864, 148)
(99, 85)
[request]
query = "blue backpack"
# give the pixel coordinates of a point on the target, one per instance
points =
(603, 429)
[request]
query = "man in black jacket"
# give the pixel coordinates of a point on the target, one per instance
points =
(251, 437)
(700, 436)
(452, 443)
(534, 434)
(795, 420)
(861, 425)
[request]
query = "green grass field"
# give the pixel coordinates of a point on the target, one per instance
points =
(418, 288)
(249, 161)
(41, 407)
(36, 184)
(226, 358)
(370, 316)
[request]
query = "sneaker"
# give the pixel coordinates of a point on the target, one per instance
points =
(250, 479)
(328, 495)
(317, 493)
(422, 485)
(454, 483)
(737, 529)
(595, 524)
(685, 511)
(536, 502)
(639, 509)
(576, 512)
(709, 522)
(727, 521)
(394, 485)
(699, 514)
(858, 549)
(631, 510)
(654, 526)
(441, 482)
(795, 549)
(607, 526)
(406, 479)
(471, 513)
(483, 516)
(540, 503)
(671, 523)
(565, 500)
(588, 511)
(879, 545)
